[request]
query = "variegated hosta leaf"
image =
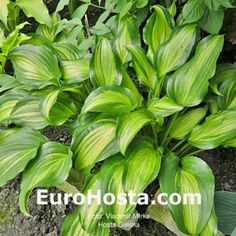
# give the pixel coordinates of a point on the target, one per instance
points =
(158, 29)
(185, 123)
(128, 83)
(36, 9)
(75, 71)
(63, 109)
(47, 101)
(133, 173)
(35, 65)
(161, 214)
(144, 69)
(189, 84)
(110, 99)
(50, 168)
(4, 12)
(128, 34)
(111, 178)
(14, 39)
(17, 148)
(7, 82)
(170, 57)
(142, 167)
(227, 99)
(7, 102)
(215, 131)
(163, 107)
(26, 113)
(104, 68)
(211, 227)
(88, 211)
(230, 143)
(66, 51)
(190, 175)
(129, 125)
(72, 227)
(94, 142)
(224, 72)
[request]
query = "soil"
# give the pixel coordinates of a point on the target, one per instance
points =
(47, 220)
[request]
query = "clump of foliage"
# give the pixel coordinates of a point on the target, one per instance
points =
(141, 92)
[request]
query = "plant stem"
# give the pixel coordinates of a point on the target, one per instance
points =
(195, 152)
(174, 117)
(87, 25)
(183, 149)
(177, 145)
(97, 6)
(155, 134)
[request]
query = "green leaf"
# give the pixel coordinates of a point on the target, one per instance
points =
(128, 83)
(189, 84)
(36, 9)
(66, 51)
(157, 29)
(94, 142)
(111, 177)
(144, 69)
(127, 34)
(216, 4)
(185, 123)
(189, 175)
(2, 37)
(224, 72)
(80, 11)
(230, 143)
(163, 107)
(123, 7)
(215, 131)
(110, 99)
(75, 71)
(211, 227)
(227, 90)
(104, 69)
(72, 226)
(50, 168)
(8, 100)
(129, 125)
(14, 39)
(141, 3)
(193, 10)
(142, 167)
(35, 65)
(7, 82)
(120, 175)
(234, 232)
(212, 21)
(169, 56)
(63, 109)
(161, 214)
(61, 4)
(17, 148)
(26, 113)
(86, 211)
(4, 12)
(225, 204)
(47, 102)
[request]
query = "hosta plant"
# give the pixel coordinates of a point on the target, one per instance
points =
(141, 98)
